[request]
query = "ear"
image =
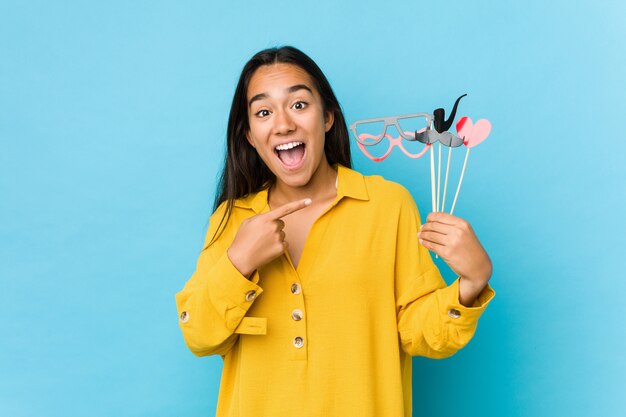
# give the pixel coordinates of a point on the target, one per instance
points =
(329, 120)
(250, 141)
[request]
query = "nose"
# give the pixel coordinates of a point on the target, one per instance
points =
(283, 123)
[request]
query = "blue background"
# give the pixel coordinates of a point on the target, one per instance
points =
(112, 125)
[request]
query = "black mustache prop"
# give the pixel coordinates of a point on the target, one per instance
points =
(441, 134)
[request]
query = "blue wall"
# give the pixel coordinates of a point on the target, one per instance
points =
(112, 125)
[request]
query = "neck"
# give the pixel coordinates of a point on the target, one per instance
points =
(322, 185)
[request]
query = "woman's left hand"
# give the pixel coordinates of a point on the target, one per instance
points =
(454, 240)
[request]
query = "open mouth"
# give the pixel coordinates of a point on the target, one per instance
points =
(290, 154)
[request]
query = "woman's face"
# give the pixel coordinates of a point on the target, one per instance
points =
(287, 122)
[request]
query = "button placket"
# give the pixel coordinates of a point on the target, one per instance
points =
(297, 318)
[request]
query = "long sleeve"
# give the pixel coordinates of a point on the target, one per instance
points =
(213, 303)
(431, 320)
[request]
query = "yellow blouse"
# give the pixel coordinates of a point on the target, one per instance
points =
(334, 336)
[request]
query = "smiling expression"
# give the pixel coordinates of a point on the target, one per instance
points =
(287, 122)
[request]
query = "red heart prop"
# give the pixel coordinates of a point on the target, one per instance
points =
(473, 134)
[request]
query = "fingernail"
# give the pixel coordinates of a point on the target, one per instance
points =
(307, 201)
(421, 241)
(421, 225)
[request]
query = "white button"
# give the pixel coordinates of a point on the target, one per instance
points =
(455, 314)
(184, 317)
(296, 315)
(250, 295)
(298, 342)
(295, 288)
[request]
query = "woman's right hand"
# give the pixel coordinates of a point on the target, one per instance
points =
(261, 239)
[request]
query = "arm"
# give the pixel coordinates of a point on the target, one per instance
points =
(432, 321)
(213, 304)
(216, 298)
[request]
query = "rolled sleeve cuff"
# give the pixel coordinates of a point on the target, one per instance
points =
(456, 313)
(233, 286)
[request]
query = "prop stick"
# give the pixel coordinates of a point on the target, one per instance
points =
(432, 176)
(445, 185)
(432, 181)
(439, 208)
(458, 188)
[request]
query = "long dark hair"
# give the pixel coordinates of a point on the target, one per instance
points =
(244, 171)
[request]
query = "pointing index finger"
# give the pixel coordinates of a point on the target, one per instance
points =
(288, 208)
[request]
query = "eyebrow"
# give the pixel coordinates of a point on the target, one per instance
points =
(289, 90)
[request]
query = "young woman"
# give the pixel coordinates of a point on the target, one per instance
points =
(315, 284)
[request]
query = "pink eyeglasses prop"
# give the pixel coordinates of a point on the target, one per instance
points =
(371, 132)
(366, 139)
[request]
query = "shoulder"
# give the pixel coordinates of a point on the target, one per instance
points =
(382, 196)
(386, 192)
(353, 183)
(227, 217)
(242, 206)
(391, 199)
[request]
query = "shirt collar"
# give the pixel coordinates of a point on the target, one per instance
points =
(350, 184)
